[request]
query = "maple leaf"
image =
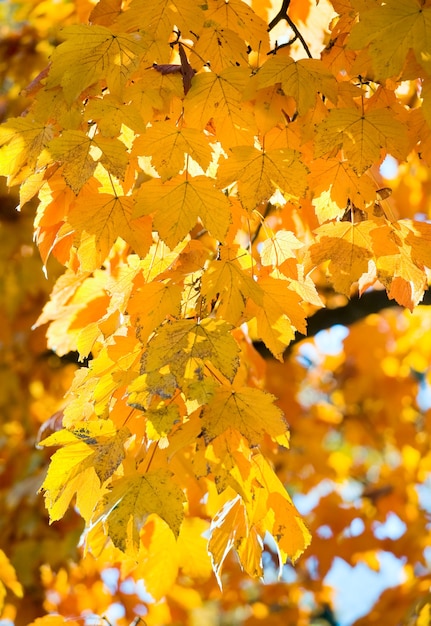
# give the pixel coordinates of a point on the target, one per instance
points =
(391, 30)
(91, 53)
(179, 202)
(111, 113)
(230, 530)
(250, 411)
(228, 284)
(219, 97)
(343, 183)
(259, 173)
(276, 510)
(133, 498)
(89, 455)
(300, 79)
(185, 345)
(279, 248)
(167, 145)
(153, 302)
(105, 218)
(402, 273)
(240, 18)
(279, 316)
(347, 247)
(22, 141)
(159, 17)
(365, 137)
(219, 47)
(73, 150)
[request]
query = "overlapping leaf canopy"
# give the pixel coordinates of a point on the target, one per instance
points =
(201, 183)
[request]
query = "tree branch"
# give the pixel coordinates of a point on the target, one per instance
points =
(282, 15)
(300, 37)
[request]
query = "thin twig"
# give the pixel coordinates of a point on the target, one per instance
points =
(282, 15)
(300, 37)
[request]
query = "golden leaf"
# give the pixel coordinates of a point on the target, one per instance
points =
(347, 247)
(219, 47)
(390, 31)
(22, 140)
(228, 284)
(133, 498)
(179, 202)
(186, 345)
(300, 79)
(250, 411)
(259, 173)
(278, 248)
(240, 18)
(365, 137)
(168, 145)
(99, 219)
(219, 97)
(89, 455)
(92, 53)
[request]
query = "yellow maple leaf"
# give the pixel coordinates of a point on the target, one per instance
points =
(365, 137)
(230, 530)
(159, 17)
(22, 140)
(152, 303)
(347, 247)
(343, 184)
(278, 248)
(302, 79)
(250, 411)
(167, 145)
(179, 202)
(401, 271)
(133, 498)
(258, 173)
(75, 151)
(99, 219)
(91, 53)
(89, 455)
(228, 283)
(240, 18)
(391, 30)
(280, 315)
(220, 47)
(110, 113)
(185, 345)
(273, 509)
(219, 97)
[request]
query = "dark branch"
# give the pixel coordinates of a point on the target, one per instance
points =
(282, 15)
(300, 37)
